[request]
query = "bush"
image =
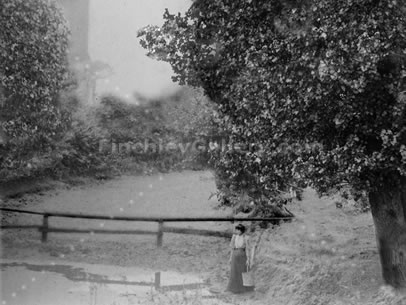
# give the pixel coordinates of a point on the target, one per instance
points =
(351, 199)
(143, 134)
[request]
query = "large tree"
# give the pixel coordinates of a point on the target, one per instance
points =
(33, 68)
(318, 85)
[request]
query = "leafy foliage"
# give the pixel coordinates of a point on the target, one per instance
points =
(317, 86)
(33, 71)
(158, 134)
(33, 68)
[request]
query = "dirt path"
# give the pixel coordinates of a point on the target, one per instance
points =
(326, 256)
(175, 194)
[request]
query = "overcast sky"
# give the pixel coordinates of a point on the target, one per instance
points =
(113, 39)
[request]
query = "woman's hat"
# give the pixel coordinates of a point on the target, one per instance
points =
(240, 227)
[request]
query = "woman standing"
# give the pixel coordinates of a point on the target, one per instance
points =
(240, 260)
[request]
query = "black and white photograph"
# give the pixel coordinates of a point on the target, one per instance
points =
(202, 152)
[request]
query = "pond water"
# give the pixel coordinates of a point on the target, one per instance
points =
(31, 283)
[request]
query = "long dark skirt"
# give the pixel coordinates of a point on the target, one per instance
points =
(238, 266)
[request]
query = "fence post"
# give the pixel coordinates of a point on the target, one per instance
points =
(160, 234)
(44, 228)
(157, 280)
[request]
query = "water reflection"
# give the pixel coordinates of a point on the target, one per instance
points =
(37, 283)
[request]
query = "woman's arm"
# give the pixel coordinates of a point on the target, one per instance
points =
(232, 243)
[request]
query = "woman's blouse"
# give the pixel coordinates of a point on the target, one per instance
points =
(239, 241)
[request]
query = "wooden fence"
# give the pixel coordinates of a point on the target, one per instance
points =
(45, 227)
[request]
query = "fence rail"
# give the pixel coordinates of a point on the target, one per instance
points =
(45, 228)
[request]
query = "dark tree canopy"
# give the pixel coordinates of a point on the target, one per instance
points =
(33, 67)
(328, 74)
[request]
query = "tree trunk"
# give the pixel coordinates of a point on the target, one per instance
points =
(388, 206)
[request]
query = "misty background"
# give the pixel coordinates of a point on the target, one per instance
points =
(113, 40)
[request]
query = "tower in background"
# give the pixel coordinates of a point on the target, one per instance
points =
(76, 13)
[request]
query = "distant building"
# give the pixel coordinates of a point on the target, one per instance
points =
(76, 13)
